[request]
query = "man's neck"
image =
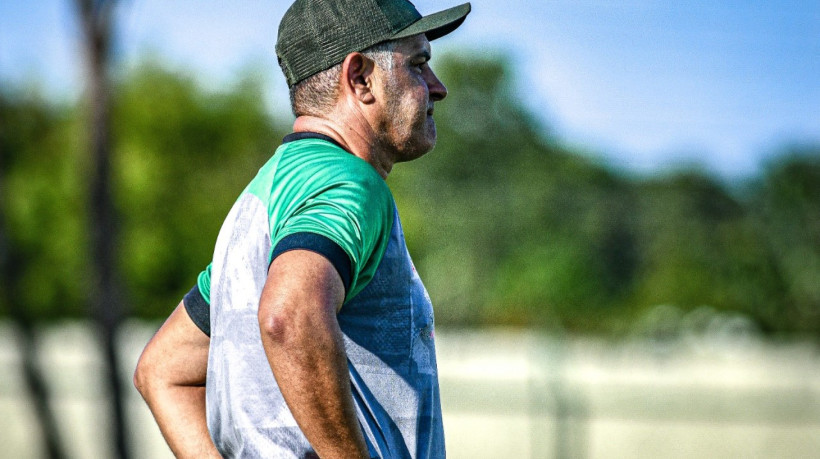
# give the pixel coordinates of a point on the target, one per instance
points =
(359, 142)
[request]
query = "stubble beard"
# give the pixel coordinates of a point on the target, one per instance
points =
(409, 134)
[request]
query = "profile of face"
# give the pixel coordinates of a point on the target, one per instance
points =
(407, 94)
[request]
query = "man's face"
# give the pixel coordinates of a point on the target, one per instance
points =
(408, 91)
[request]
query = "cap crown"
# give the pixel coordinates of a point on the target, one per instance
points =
(314, 35)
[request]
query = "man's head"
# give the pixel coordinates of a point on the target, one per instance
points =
(364, 62)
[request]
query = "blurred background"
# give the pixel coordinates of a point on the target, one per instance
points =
(619, 226)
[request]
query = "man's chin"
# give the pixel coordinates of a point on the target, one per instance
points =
(419, 144)
(416, 150)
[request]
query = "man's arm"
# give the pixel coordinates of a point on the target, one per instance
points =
(170, 375)
(305, 349)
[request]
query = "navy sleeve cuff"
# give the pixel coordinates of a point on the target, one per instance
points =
(323, 246)
(198, 310)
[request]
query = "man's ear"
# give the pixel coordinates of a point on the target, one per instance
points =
(357, 77)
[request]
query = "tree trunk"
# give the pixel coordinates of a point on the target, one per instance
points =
(105, 299)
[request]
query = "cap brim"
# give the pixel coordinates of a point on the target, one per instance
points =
(438, 24)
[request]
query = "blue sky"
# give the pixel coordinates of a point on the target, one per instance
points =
(646, 85)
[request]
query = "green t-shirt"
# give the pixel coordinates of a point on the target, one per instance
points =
(314, 186)
(314, 195)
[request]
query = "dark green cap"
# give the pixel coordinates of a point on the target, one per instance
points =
(315, 35)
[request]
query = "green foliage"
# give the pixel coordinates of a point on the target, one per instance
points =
(183, 155)
(701, 249)
(506, 225)
(43, 203)
(509, 227)
(786, 204)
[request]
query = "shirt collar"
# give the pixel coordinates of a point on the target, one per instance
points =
(294, 136)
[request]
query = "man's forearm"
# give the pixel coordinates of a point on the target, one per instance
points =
(180, 414)
(170, 376)
(312, 375)
(305, 349)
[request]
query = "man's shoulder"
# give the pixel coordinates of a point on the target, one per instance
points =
(321, 159)
(307, 168)
(317, 166)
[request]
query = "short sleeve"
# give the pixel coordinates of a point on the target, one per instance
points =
(198, 309)
(203, 281)
(317, 244)
(197, 302)
(341, 198)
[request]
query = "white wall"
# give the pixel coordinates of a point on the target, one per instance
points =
(506, 394)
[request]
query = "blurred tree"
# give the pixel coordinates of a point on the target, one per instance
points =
(44, 204)
(108, 304)
(786, 203)
(507, 225)
(700, 248)
(23, 123)
(183, 156)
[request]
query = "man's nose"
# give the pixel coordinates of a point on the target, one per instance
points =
(437, 89)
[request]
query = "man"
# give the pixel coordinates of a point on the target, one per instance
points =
(321, 333)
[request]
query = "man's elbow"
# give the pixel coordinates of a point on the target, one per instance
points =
(143, 376)
(273, 326)
(139, 377)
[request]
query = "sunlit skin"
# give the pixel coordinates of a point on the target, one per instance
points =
(408, 95)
